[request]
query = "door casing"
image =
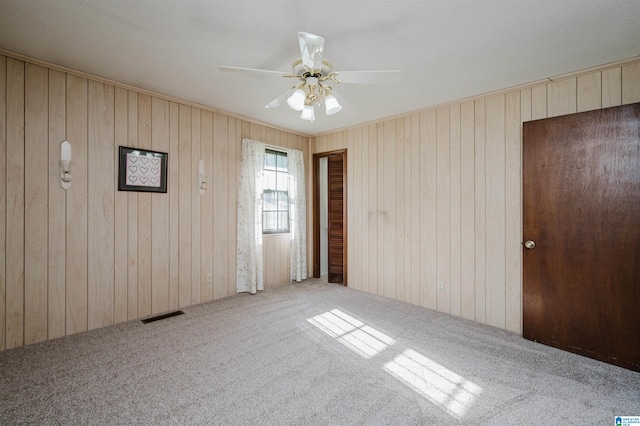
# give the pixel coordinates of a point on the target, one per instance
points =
(316, 211)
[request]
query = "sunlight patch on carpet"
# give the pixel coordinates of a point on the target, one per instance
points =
(364, 340)
(446, 389)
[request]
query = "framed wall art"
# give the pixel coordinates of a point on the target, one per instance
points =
(142, 170)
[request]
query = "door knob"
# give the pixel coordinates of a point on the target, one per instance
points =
(530, 244)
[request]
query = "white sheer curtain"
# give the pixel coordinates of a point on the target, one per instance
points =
(249, 251)
(298, 215)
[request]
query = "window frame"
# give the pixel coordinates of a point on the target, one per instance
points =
(284, 173)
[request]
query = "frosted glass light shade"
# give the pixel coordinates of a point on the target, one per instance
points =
(331, 104)
(296, 100)
(308, 113)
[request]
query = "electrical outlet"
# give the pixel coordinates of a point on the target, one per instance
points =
(440, 286)
(209, 278)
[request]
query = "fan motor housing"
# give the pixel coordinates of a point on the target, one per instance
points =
(299, 69)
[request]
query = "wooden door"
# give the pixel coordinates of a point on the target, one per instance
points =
(335, 174)
(581, 200)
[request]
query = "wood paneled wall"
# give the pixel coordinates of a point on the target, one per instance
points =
(92, 256)
(435, 197)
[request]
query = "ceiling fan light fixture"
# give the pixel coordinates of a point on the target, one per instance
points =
(314, 74)
(308, 113)
(332, 105)
(296, 100)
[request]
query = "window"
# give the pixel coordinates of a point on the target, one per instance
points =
(275, 198)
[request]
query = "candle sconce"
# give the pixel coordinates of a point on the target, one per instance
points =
(65, 165)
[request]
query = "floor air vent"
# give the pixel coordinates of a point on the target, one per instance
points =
(162, 316)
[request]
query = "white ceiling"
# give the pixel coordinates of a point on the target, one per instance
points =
(446, 49)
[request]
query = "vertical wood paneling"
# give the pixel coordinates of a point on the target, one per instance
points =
(428, 209)
(121, 112)
(36, 202)
(443, 210)
(283, 259)
(525, 105)
(539, 102)
(353, 277)
(196, 275)
(335, 141)
(254, 131)
(174, 206)
(561, 97)
(100, 205)
(354, 209)
(513, 203)
(57, 199)
(383, 206)
(318, 145)
(372, 211)
(268, 247)
(282, 262)
(416, 170)
(220, 216)
(3, 198)
(398, 272)
(184, 186)
(480, 211)
(245, 129)
(15, 181)
(612, 87)
(383, 215)
(221, 162)
(234, 128)
(269, 136)
(271, 264)
(308, 164)
(467, 211)
(160, 239)
(292, 140)
(76, 226)
(408, 232)
(455, 213)
(132, 215)
(206, 238)
(589, 90)
(470, 178)
(630, 83)
(310, 205)
(144, 214)
(90, 256)
(495, 224)
(365, 212)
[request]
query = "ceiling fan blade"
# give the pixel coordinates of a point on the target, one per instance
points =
(280, 100)
(370, 77)
(311, 47)
(253, 71)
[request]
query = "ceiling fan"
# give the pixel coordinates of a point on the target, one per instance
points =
(315, 74)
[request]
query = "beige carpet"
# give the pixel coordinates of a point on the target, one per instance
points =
(307, 354)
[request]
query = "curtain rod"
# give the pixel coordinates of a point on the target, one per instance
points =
(275, 148)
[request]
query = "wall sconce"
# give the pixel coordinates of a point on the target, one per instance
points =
(65, 165)
(202, 177)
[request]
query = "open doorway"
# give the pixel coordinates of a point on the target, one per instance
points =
(329, 216)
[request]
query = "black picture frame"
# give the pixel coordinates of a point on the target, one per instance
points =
(142, 170)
